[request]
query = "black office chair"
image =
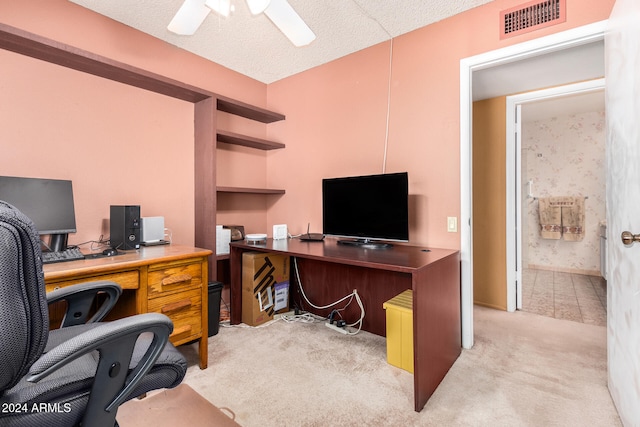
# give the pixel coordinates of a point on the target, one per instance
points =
(78, 374)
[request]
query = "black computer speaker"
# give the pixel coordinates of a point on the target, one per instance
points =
(125, 227)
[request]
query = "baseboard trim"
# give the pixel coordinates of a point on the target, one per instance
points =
(565, 270)
(495, 307)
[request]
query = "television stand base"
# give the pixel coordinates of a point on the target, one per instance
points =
(366, 244)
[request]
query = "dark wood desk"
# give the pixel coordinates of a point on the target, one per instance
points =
(329, 271)
(169, 279)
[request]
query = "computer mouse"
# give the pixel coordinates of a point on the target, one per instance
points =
(110, 252)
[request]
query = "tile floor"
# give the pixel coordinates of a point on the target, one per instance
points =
(565, 296)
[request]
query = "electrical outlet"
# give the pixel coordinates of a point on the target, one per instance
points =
(452, 224)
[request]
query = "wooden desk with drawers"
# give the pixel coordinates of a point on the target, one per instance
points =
(170, 279)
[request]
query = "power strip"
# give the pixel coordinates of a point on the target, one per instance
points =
(336, 328)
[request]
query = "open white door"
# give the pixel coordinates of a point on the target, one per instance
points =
(622, 94)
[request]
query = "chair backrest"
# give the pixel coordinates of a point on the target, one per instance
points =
(24, 315)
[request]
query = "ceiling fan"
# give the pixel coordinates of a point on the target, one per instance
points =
(193, 12)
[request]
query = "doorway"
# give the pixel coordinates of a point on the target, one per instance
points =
(469, 67)
(556, 146)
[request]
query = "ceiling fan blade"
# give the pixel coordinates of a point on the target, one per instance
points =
(256, 7)
(189, 17)
(289, 22)
(221, 7)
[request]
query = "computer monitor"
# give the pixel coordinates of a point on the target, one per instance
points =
(47, 202)
(367, 208)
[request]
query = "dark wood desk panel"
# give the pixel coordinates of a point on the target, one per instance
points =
(437, 326)
(326, 282)
(402, 258)
(330, 271)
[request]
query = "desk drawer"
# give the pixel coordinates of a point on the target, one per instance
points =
(126, 280)
(185, 310)
(174, 278)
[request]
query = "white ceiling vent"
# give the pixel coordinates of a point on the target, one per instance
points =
(531, 16)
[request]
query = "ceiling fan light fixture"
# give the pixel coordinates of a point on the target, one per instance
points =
(256, 7)
(221, 7)
(289, 22)
(188, 18)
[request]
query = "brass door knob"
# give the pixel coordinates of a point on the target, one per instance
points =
(628, 238)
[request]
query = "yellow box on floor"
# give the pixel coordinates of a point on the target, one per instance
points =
(399, 312)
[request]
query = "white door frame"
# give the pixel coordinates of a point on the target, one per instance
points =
(514, 178)
(552, 43)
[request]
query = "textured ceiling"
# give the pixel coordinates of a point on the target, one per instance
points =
(253, 46)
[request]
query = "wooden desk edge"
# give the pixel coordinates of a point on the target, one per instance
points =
(130, 259)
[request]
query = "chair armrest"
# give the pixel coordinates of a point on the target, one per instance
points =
(115, 342)
(80, 299)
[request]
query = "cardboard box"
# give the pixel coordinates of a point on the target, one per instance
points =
(265, 286)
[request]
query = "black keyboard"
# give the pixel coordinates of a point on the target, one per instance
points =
(70, 254)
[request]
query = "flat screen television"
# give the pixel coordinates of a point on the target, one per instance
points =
(369, 210)
(47, 202)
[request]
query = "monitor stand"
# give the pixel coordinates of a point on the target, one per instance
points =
(366, 244)
(58, 242)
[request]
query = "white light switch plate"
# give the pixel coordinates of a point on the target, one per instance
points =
(452, 224)
(279, 231)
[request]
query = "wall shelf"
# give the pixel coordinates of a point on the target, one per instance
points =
(247, 141)
(241, 109)
(253, 113)
(248, 190)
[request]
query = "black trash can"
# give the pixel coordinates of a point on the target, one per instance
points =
(215, 293)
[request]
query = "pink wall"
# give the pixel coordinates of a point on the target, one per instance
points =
(335, 125)
(119, 145)
(336, 118)
(59, 123)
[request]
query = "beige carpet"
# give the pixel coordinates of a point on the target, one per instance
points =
(524, 370)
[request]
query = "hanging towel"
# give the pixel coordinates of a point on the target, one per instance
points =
(550, 218)
(573, 219)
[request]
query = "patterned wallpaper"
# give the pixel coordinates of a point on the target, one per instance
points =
(564, 156)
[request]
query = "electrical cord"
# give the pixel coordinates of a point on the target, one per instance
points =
(310, 317)
(287, 318)
(295, 265)
(300, 318)
(351, 296)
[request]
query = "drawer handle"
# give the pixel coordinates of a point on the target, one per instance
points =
(172, 280)
(182, 330)
(175, 306)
